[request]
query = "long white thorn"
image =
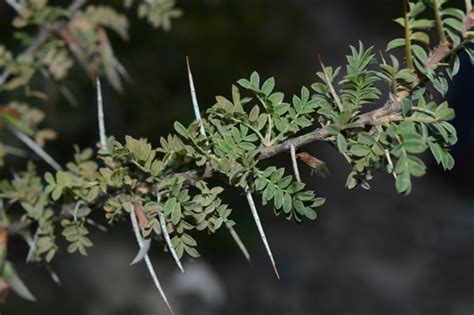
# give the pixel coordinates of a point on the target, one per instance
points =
(100, 116)
(295, 163)
(390, 163)
(239, 242)
(197, 113)
(35, 148)
(157, 282)
(248, 194)
(142, 252)
(148, 263)
(166, 235)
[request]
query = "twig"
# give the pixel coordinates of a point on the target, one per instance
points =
(331, 87)
(251, 203)
(468, 6)
(151, 270)
(100, 116)
(35, 148)
(294, 162)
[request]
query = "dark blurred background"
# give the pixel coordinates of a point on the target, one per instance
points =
(369, 252)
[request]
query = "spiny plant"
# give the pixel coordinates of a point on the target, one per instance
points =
(165, 191)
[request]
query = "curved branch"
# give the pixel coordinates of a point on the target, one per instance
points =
(319, 134)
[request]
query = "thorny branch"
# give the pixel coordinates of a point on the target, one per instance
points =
(387, 112)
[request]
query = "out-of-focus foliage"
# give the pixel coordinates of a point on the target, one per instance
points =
(158, 13)
(80, 33)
